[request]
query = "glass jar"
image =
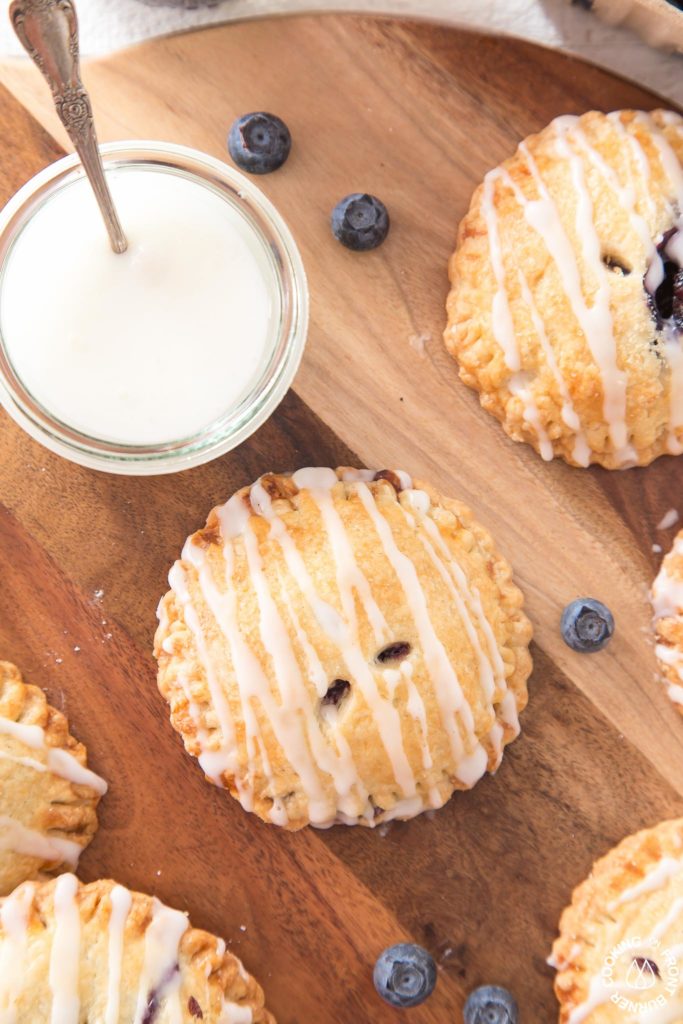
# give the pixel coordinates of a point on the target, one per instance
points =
(287, 289)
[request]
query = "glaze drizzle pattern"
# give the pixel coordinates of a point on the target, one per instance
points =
(570, 375)
(71, 952)
(262, 619)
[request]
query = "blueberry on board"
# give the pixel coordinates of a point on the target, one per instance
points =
(491, 1004)
(587, 625)
(259, 143)
(405, 975)
(360, 221)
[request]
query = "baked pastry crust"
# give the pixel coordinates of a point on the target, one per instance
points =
(618, 939)
(343, 646)
(548, 313)
(667, 602)
(116, 956)
(48, 796)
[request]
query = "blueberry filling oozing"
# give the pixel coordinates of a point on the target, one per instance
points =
(394, 652)
(156, 996)
(666, 303)
(390, 477)
(336, 692)
(194, 1008)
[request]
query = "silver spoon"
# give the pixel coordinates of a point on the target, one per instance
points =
(48, 31)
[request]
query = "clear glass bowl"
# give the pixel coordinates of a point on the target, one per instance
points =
(284, 350)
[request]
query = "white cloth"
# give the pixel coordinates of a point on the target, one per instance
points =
(108, 25)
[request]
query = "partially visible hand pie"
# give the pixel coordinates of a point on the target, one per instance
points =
(619, 956)
(667, 602)
(48, 795)
(99, 953)
(566, 306)
(343, 646)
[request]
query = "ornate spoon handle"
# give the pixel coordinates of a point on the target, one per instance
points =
(48, 31)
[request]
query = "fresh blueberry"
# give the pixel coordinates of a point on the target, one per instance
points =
(259, 142)
(587, 625)
(491, 1004)
(405, 975)
(360, 221)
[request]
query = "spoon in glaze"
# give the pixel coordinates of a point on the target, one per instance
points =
(48, 31)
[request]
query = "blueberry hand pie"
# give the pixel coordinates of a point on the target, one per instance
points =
(343, 646)
(621, 940)
(73, 953)
(566, 303)
(48, 795)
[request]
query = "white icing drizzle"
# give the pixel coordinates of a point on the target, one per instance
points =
(121, 901)
(582, 451)
(232, 1013)
(673, 658)
(14, 915)
(65, 953)
(519, 384)
(18, 838)
(602, 991)
(160, 976)
(658, 876)
(59, 762)
(667, 592)
(596, 320)
(674, 914)
(501, 316)
(626, 195)
(311, 743)
(253, 685)
(224, 759)
(449, 692)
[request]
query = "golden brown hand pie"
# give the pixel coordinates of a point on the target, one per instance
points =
(48, 795)
(343, 646)
(566, 306)
(97, 952)
(619, 955)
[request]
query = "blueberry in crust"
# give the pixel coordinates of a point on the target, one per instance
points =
(343, 646)
(565, 303)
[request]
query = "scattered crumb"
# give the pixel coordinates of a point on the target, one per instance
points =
(656, 548)
(418, 342)
(158, 873)
(243, 927)
(668, 520)
(76, 649)
(446, 954)
(98, 594)
(58, 661)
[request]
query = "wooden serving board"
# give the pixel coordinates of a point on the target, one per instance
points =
(416, 114)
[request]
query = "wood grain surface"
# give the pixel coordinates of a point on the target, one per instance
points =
(416, 114)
